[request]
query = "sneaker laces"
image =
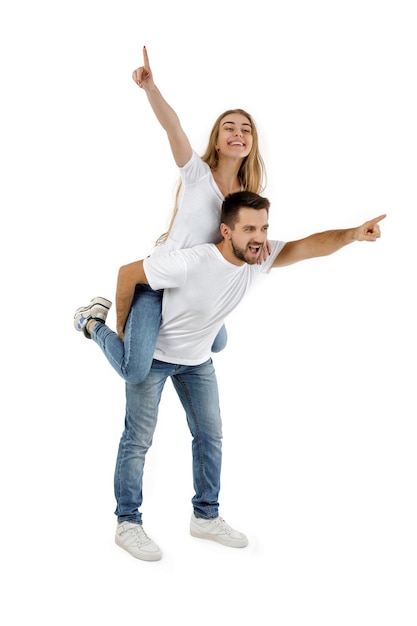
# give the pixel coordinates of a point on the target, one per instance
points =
(138, 534)
(222, 525)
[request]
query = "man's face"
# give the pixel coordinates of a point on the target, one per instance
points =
(249, 235)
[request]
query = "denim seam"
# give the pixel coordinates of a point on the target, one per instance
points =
(203, 481)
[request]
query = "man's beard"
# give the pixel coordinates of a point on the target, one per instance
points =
(240, 253)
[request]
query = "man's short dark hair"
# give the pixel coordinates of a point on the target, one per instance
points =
(241, 200)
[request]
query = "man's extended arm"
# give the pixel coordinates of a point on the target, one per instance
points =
(129, 276)
(327, 242)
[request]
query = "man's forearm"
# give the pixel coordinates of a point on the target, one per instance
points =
(330, 241)
(129, 276)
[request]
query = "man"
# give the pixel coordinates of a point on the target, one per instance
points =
(202, 285)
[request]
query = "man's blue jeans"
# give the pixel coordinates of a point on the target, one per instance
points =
(196, 387)
(132, 358)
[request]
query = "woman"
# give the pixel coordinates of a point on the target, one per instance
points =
(231, 162)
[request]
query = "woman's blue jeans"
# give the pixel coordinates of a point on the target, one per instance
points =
(132, 358)
(197, 390)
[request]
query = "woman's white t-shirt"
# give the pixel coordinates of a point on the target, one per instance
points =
(199, 208)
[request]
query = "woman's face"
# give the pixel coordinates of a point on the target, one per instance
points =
(235, 136)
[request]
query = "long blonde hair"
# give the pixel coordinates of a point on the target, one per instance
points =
(252, 173)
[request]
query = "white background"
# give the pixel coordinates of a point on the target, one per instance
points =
(318, 380)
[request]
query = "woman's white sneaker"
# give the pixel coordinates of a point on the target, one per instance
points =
(218, 530)
(133, 539)
(96, 310)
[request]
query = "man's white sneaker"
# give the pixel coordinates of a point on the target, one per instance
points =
(218, 530)
(133, 539)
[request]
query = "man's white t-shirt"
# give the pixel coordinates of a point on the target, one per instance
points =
(201, 289)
